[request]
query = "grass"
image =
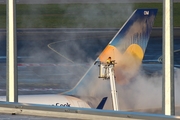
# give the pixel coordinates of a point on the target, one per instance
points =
(80, 15)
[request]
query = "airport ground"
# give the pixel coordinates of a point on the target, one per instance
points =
(56, 56)
(45, 60)
(81, 15)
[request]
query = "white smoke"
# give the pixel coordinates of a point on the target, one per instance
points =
(144, 93)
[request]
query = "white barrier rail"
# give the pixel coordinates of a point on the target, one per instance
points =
(75, 113)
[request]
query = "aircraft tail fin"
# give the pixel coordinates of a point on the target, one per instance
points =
(127, 48)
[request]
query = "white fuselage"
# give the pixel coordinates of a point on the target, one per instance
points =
(51, 99)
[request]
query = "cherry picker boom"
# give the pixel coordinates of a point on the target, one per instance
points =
(106, 71)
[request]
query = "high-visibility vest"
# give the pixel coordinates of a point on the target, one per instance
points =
(108, 60)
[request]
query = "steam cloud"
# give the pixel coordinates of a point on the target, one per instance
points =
(145, 92)
(36, 50)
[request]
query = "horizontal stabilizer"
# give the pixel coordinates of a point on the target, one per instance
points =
(102, 103)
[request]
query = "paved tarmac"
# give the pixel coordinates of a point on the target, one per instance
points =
(40, 75)
(38, 70)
